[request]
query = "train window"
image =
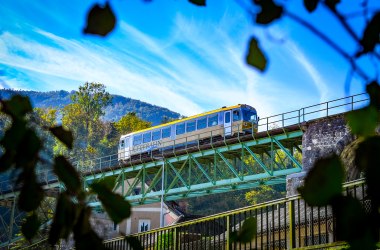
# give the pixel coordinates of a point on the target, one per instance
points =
(165, 132)
(180, 129)
(147, 137)
(213, 120)
(137, 140)
(190, 126)
(249, 115)
(236, 115)
(202, 123)
(122, 144)
(156, 135)
(227, 117)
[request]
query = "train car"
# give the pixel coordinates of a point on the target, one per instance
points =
(223, 122)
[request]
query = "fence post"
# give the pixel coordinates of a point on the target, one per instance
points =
(175, 239)
(292, 236)
(228, 233)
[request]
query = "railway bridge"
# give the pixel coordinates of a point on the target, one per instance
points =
(284, 147)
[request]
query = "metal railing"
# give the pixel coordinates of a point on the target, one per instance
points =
(286, 223)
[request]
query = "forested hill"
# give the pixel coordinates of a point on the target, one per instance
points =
(119, 107)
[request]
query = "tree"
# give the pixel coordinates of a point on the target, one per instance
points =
(92, 99)
(129, 123)
(83, 118)
(265, 193)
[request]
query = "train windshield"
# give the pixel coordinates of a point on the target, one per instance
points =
(249, 115)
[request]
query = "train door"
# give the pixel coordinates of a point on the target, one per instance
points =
(227, 123)
(127, 148)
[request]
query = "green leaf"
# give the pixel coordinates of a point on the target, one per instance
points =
(134, 242)
(31, 193)
(198, 2)
(332, 3)
(323, 182)
(108, 182)
(100, 20)
(17, 107)
(373, 90)
(31, 226)
(64, 220)
(67, 174)
(371, 35)
(85, 238)
(247, 232)
(310, 5)
(255, 56)
(363, 121)
(7, 161)
(269, 11)
(350, 216)
(33, 144)
(116, 206)
(65, 136)
(89, 240)
(367, 160)
(14, 135)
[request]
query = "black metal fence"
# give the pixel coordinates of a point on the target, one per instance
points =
(282, 224)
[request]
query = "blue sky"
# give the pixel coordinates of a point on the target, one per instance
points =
(176, 55)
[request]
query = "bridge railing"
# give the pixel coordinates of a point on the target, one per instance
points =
(325, 109)
(286, 223)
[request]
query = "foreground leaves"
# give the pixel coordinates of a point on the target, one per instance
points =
(310, 5)
(363, 121)
(65, 136)
(65, 217)
(134, 242)
(323, 182)
(84, 235)
(100, 20)
(371, 35)
(247, 231)
(198, 2)
(67, 174)
(116, 206)
(350, 216)
(269, 11)
(255, 56)
(31, 226)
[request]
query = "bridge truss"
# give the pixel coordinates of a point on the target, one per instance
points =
(241, 162)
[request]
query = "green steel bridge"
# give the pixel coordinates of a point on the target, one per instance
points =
(220, 165)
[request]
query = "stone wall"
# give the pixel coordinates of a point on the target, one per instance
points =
(322, 137)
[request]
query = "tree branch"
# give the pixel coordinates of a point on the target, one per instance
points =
(329, 42)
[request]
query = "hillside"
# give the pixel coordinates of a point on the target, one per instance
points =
(120, 105)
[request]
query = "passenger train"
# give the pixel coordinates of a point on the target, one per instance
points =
(224, 122)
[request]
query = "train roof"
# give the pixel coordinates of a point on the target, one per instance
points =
(189, 118)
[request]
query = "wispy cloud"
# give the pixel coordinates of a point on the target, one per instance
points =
(188, 72)
(198, 66)
(311, 70)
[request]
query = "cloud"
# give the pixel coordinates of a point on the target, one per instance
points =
(308, 66)
(187, 72)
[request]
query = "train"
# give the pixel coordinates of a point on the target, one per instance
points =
(224, 122)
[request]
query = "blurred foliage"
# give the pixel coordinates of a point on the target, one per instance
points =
(323, 185)
(23, 143)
